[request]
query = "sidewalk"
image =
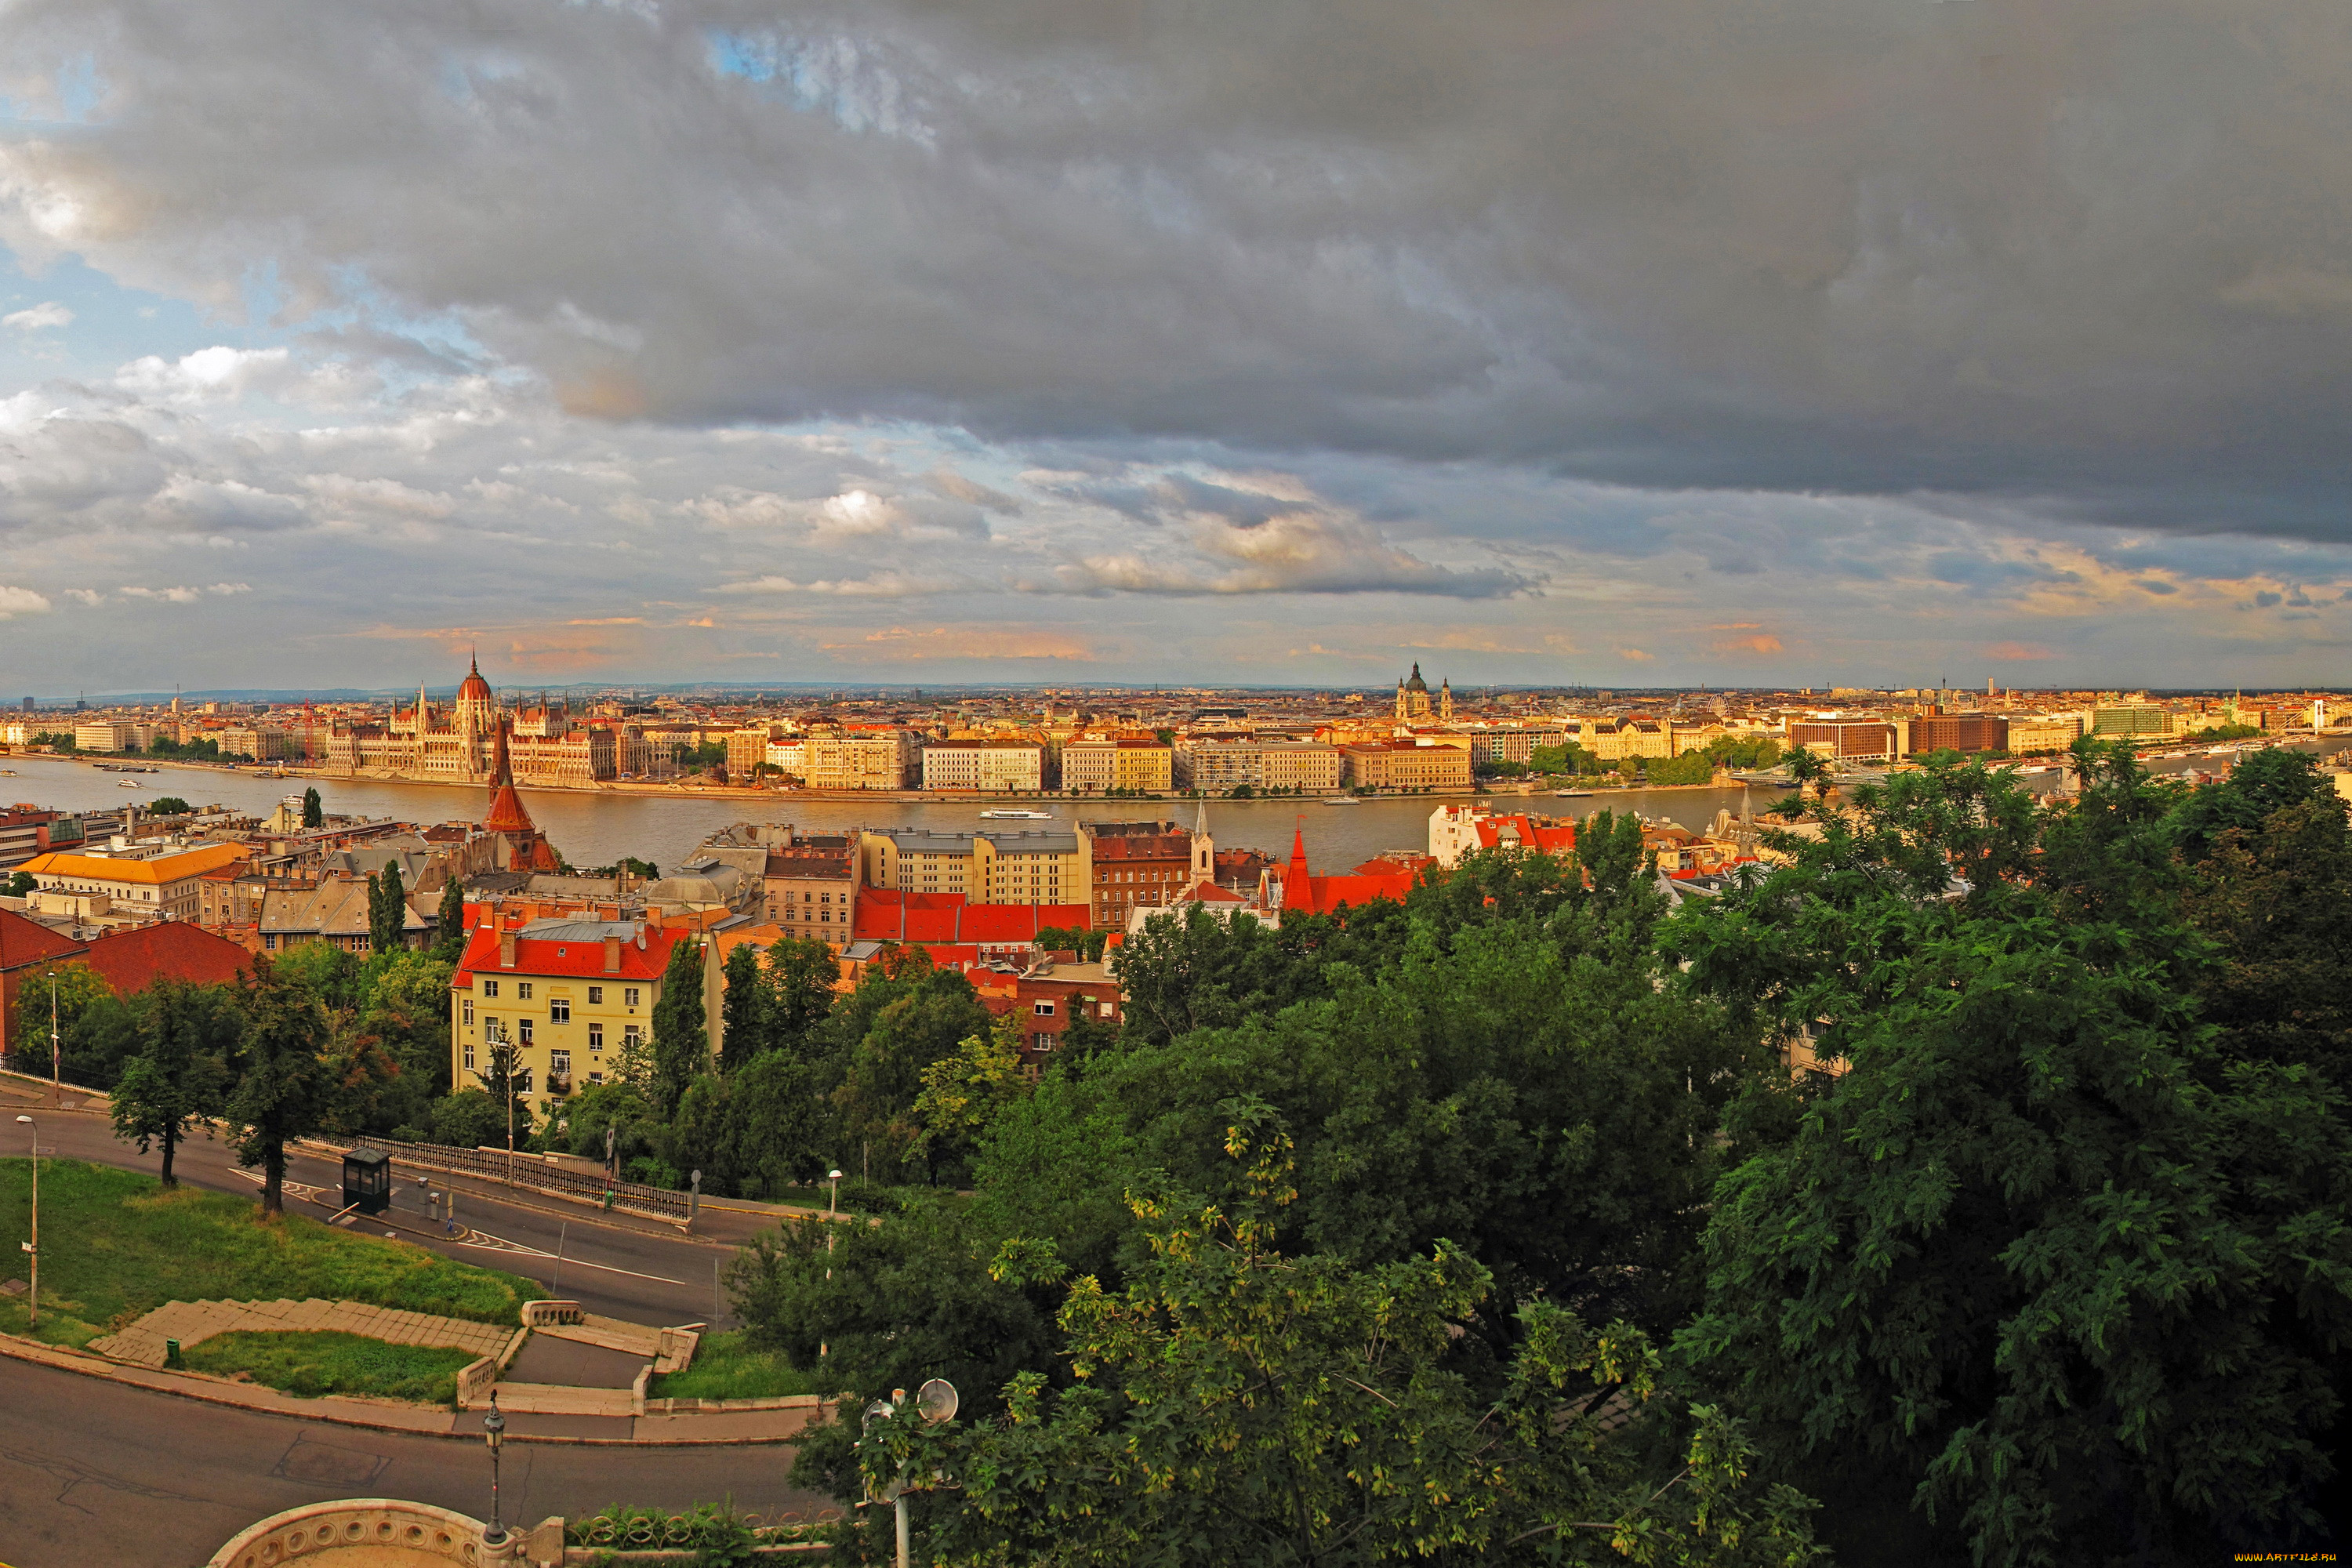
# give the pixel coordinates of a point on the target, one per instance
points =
(711, 1429)
(193, 1322)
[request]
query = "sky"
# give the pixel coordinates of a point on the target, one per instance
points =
(1539, 342)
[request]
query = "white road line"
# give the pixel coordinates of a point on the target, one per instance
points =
(500, 1244)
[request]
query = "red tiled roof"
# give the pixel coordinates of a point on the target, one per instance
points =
(23, 942)
(583, 959)
(1532, 834)
(134, 959)
(886, 914)
(1311, 894)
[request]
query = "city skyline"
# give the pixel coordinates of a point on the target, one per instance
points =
(895, 346)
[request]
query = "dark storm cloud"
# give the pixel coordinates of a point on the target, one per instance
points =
(2084, 253)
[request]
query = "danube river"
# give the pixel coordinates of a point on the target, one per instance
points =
(595, 829)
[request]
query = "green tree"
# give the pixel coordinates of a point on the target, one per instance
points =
(961, 1094)
(912, 1017)
(22, 884)
(285, 1083)
(77, 990)
(168, 806)
(681, 1043)
(314, 813)
(2046, 1250)
(1088, 945)
(334, 975)
(1238, 1405)
(1693, 767)
(406, 1009)
(449, 923)
(179, 1078)
(387, 912)
(746, 1009)
(472, 1119)
(801, 971)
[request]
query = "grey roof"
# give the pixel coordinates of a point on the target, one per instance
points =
(559, 928)
(931, 841)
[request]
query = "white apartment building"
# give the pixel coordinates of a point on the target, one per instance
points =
(861, 759)
(997, 765)
(1213, 765)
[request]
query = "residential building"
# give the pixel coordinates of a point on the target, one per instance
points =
(1514, 742)
(1142, 864)
(1958, 732)
(103, 735)
(1404, 764)
(1024, 867)
(146, 878)
(1457, 831)
(25, 832)
(991, 765)
(2043, 731)
(860, 759)
(811, 887)
(2133, 722)
(1138, 767)
(570, 995)
(1857, 737)
(334, 910)
(1047, 995)
(1216, 766)
(747, 750)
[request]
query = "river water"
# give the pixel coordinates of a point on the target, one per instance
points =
(597, 829)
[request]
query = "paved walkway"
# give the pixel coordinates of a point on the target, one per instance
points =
(193, 1322)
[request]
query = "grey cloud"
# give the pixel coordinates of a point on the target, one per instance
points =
(2072, 251)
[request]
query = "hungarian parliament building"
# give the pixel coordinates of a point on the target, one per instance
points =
(458, 744)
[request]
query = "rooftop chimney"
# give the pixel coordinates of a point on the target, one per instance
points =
(612, 955)
(506, 949)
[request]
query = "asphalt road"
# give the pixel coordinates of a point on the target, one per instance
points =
(642, 1270)
(95, 1475)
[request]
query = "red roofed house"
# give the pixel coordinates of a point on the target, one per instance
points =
(1046, 998)
(29, 950)
(1456, 831)
(946, 919)
(1309, 894)
(130, 960)
(569, 994)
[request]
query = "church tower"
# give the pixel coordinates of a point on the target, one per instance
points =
(476, 718)
(1445, 700)
(1205, 847)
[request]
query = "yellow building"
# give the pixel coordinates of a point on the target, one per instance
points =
(1138, 766)
(165, 880)
(571, 996)
(1052, 866)
(1402, 764)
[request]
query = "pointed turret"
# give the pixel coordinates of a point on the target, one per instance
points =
(1297, 888)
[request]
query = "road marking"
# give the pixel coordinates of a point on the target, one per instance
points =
(486, 1242)
(300, 1191)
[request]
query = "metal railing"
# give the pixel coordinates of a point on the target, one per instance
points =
(526, 1171)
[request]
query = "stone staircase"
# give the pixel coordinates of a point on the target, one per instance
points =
(142, 1343)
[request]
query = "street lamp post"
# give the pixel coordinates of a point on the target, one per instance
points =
(56, 1073)
(833, 1205)
(33, 1297)
(494, 1428)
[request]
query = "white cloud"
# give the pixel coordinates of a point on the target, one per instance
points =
(48, 313)
(21, 602)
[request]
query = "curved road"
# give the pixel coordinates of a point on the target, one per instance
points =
(96, 1475)
(620, 1266)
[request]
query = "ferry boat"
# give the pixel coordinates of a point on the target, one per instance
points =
(1018, 815)
(1342, 800)
(128, 783)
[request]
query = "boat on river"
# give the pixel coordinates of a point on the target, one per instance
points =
(1018, 815)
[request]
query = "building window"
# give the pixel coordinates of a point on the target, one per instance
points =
(559, 1064)
(492, 1030)
(595, 1077)
(522, 1031)
(470, 1056)
(522, 989)
(269, 941)
(559, 1009)
(1042, 1009)
(596, 995)
(522, 1080)
(631, 1036)
(490, 990)
(595, 1037)
(1041, 1040)
(628, 997)
(466, 1011)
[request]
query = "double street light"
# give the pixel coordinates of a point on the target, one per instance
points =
(494, 1428)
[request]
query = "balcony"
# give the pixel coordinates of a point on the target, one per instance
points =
(558, 1083)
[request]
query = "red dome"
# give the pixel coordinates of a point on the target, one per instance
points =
(473, 685)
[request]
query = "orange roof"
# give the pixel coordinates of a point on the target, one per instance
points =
(191, 862)
(886, 914)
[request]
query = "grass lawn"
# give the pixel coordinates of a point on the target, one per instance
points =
(117, 1244)
(728, 1366)
(313, 1363)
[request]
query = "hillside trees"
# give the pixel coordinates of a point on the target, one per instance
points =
(179, 1075)
(2049, 1251)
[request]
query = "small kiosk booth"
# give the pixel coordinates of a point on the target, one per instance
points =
(367, 1182)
